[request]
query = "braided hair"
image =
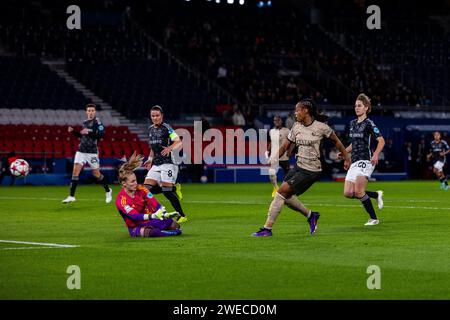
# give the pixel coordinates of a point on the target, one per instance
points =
(313, 110)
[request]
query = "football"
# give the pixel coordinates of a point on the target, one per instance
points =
(20, 168)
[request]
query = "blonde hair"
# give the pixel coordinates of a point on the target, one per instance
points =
(366, 101)
(134, 162)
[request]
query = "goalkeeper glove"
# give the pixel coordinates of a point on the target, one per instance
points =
(171, 215)
(159, 214)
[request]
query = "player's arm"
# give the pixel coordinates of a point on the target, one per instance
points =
(133, 214)
(337, 142)
(349, 150)
(430, 152)
(446, 151)
(176, 143)
(74, 132)
(377, 151)
(148, 163)
(286, 145)
(375, 132)
(151, 202)
(269, 146)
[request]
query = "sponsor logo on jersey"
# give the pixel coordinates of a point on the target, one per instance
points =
(356, 135)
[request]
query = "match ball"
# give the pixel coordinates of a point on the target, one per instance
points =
(203, 179)
(19, 168)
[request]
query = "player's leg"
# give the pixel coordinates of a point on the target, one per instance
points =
(94, 163)
(102, 180)
(275, 207)
(12, 181)
(300, 183)
(177, 189)
(153, 232)
(273, 179)
(152, 179)
(296, 182)
(349, 189)
(169, 174)
(360, 193)
(165, 224)
(444, 181)
(77, 167)
(439, 172)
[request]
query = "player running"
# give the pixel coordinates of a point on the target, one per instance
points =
(163, 172)
(363, 161)
(92, 131)
(140, 210)
(438, 151)
(307, 134)
(277, 135)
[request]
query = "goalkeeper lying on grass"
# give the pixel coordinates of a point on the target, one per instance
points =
(140, 210)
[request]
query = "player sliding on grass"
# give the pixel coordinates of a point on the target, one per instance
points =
(438, 151)
(307, 134)
(140, 210)
(363, 162)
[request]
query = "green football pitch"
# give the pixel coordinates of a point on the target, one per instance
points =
(216, 257)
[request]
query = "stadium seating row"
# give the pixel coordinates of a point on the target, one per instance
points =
(36, 141)
(51, 116)
(52, 141)
(27, 83)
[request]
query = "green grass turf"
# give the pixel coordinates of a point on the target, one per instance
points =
(216, 258)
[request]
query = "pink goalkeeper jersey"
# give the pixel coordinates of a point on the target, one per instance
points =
(133, 209)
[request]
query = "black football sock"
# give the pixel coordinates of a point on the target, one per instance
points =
(172, 197)
(73, 185)
(156, 189)
(367, 203)
(372, 194)
(101, 180)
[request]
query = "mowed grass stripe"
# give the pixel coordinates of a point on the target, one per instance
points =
(216, 258)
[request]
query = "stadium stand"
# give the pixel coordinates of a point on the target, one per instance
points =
(265, 60)
(243, 51)
(27, 83)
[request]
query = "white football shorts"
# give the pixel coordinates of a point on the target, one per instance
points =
(359, 168)
(87, 158)
(167, 172)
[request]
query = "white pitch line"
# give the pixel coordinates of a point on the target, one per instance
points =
(31, 248)
(46, 199)
(56, 245)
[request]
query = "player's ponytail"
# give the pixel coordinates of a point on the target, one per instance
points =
(313, 110)
(134, 162)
